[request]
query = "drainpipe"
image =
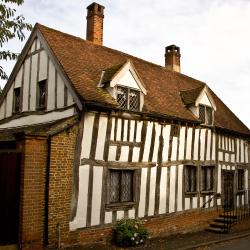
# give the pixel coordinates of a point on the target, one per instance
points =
(46, 222)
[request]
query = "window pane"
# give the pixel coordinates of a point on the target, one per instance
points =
(209, 115)
(127, 186)
(202, 113)
(190, 178)
(240, 179)
(122, 97)
(134, 100)
(114, 185)
(42, 94)
(17, 100)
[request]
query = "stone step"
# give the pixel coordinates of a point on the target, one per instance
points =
(216, 230)
(217, 225)
(225, 220)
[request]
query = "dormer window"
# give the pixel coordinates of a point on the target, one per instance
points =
(206, 114)
(42, 94)
(128, 98)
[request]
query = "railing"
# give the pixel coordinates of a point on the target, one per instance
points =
(210, 199)
(236, 207)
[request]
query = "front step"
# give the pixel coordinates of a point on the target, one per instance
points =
(221, 224)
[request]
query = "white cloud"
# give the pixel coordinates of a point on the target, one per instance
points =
(213, 35)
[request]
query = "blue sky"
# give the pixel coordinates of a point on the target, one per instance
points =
(214, 37)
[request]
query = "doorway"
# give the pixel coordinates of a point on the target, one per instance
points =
(228, 190)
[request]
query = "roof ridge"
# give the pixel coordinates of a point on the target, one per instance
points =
(118, 51)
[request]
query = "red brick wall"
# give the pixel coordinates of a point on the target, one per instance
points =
(60, 186)
(32, 191)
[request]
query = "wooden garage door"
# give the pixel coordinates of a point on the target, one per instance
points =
(9, 197)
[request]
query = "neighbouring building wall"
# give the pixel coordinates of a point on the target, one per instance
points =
(158, 159)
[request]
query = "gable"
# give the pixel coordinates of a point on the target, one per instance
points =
(37, 65)
(204, 100)
(127, 80)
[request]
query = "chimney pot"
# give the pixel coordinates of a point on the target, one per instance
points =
(95, 16)
(172, 58)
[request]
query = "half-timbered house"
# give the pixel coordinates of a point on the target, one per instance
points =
(90, 135)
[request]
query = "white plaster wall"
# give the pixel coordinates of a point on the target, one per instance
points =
(18, 80)
(43, 66)
(128, 80)
(202, 144)
(9, 102)
(147, 142)
(38, 119)
(26, 85)
(101, 137)
(125, 130)
(208, 144)
(112, 153)
(131, 213)
(189, 144)
(60, 91)
(151, 206)
(142, 201)
(120, 215)
(165, 134)
(33, 82)
(172, 189)
(136, 154)
(96, 195)
(156, 144)
(139, 128)
(132, 130)
(196, 141)
(51, 87)
(182, 143)
(163, 191)
(81, 212)
(174, 148)
(124, 153)
(180, 186)
(2, 110)
(108, 217)
(87, 134)
(187, 203)
(112, 129)
(204, 100)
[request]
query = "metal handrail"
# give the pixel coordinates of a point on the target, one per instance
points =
(210, 199)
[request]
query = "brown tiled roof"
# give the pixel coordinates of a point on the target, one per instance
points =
(83, 63)
(190, 96)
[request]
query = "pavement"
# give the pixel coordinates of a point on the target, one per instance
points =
(196, 240)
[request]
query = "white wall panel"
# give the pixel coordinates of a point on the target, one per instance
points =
(172, 189)
(60, 91)
(142, 201)
(180, 192)
(2, 109)
(189, 144)
(51, 87)
(196, 144)
(125, 130)
(151, 207)
(9, 102)
(208, 144)
(112, 129)
(165, 134)
(195, 202)
(156, 144)
(119, 129)
(108, 217)
(87, 134)
(81, 212)
(147, 142)
(132, 130)
(70, 100)
(101, 137)
(124, 153)
(163, 191)
(182, 143)
(120, 215)
(43, 66)
(139, 128)
(33, 82)
(174, 149)
(131, 213)
(202, 143)
(187, 203)
(96, 195)
(18, 80)
(136, 154)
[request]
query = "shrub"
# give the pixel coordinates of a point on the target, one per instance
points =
(130, 232)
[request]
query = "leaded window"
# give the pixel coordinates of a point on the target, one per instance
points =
(42, 93)
(207, 180)
(17, 100)
(190, 179)
(121, 186)
(128, 98)
(240, 179)
(206, 114)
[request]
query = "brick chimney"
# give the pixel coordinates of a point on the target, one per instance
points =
(95, 23)
(172, 58)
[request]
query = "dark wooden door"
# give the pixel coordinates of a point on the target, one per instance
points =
(9, 197)
(228, 190)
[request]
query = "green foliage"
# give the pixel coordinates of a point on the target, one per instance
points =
(11, 26)
(130, 232)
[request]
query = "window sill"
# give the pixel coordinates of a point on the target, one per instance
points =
(118, 206)
(208, 192)
(191, 193)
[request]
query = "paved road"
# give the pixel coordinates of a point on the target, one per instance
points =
(239, 244)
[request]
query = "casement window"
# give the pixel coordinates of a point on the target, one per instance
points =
(128, 98)
(206, 114)
(42, 94)
(121, 186)
(190, 179)
(207, 178)
(240, 179)
(175, 130)
(17, 100)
